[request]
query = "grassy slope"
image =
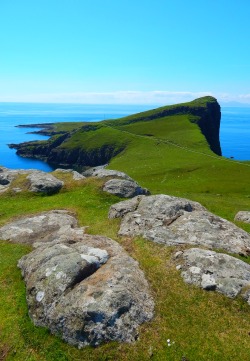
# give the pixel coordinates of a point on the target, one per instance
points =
(204, 326)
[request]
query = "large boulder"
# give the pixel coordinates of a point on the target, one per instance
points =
(84, 288)
(42, 182)
(214, 271)
(44, 227)
(177, 221)
(38, 181)
(124, 188)
(87, 291)
(243, 216)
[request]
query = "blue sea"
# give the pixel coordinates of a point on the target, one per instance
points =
(234, 133)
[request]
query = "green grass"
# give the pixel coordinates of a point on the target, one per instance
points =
(167, 155)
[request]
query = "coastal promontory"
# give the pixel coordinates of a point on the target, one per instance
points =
(92, 144)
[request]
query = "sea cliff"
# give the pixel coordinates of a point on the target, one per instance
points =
(97, 143)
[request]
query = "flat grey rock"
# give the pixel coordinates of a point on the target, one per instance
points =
(214, 271)
(41, 182)
(124, 188)
(178, 221)
(86, 290)
(243, 216)
(44, 227)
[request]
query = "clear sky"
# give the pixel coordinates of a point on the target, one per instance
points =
(124, 51)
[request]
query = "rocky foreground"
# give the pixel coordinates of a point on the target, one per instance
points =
(87, 288)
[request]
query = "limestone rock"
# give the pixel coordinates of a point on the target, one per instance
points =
(87, 291)
(243, 216)
(44, 183)
(176, 221)
(124, 188)
(217, 272)
(44, 227)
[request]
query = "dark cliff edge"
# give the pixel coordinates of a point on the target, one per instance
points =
(97, 143)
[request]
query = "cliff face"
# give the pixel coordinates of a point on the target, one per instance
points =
(209, 124)
(98, 143)
(207, 109)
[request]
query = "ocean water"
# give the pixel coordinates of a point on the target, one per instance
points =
(234, 134)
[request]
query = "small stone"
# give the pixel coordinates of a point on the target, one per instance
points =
(178, 254)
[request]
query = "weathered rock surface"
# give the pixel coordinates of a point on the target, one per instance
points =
(176, 221)
(44, 227)
(39, 181)
(85, 288)
(75, 175)
(44, 183)
(103, 173)
(214, 271)
(89, 172)
(124, 188)
(88, 291)
(8, 175)
(243, 216)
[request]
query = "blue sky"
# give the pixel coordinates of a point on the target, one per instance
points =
(124, 51)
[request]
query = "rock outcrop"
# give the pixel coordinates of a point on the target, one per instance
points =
(178, 221)
(84, 288)
(214, 271)
(101, 172)
(44, 227)
(124, 188)
(41, 182)
(243, 216)
(37, 181)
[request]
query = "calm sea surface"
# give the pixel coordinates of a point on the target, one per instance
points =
(234, 135)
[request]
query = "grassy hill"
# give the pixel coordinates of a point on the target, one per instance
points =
(166, 151)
